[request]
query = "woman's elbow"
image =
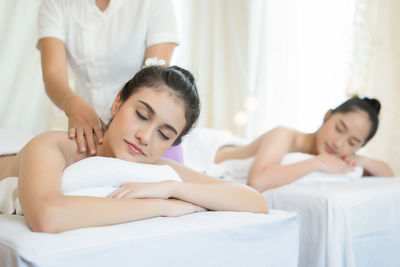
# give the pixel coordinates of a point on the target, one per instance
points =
(258, 184)
(262, 207)
(46, 220)
(258, 204)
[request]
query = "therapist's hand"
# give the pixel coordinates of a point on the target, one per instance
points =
(83, 125)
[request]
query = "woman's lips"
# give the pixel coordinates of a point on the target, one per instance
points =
(329, 149)
(134, 149)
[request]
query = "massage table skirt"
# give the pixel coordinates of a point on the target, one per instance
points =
(348, 225)
(199, 239)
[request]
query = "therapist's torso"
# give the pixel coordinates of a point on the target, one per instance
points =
(106, 48)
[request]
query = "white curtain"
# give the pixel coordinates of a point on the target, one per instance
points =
(375, 72)
(23, 103)
(214, 46)
(300, 61)
(263, 63)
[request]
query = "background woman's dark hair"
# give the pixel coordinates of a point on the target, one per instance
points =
(180, 81)
(370, 105)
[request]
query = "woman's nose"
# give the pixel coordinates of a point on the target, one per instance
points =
(144, 135)
(338, 142)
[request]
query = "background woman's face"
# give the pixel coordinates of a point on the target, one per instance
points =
(145, 125)
(342, 134)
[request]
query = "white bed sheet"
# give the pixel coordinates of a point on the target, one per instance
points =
(349, 225)
(199, 239)
(342, 222)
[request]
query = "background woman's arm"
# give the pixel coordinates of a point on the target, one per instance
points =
(267, 171)
(373, 167)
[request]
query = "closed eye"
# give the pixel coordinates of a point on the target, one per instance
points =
(338, 129)
(141, 116)
(163, 135)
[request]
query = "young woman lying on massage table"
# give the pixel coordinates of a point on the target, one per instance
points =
(345, 129)
(153, 111)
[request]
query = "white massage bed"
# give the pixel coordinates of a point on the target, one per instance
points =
(350, 225)
(344, 221)
(199, 239)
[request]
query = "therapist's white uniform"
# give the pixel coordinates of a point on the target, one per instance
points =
(105, 49)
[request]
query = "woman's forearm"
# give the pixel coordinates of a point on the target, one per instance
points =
(71, 212)
(220, 196)
(266, 178)
(374, 167)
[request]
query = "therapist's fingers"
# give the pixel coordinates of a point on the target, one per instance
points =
(98, 131)
(89, 135)
(103, 125)
(80, 140)
(71, 133)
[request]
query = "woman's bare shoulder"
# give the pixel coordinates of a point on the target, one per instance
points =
(283, 132)
(58, 141)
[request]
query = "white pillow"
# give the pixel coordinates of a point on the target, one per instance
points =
(94, 176)
(238, 170)
(111, 172)
(321, 177)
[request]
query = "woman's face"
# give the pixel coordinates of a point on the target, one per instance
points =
(145, 125)
(343, 133)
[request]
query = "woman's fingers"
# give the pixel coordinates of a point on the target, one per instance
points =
(119, 193)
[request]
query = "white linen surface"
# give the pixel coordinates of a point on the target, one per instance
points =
(93, 176)
(199, 239)
(343, 220)
(348, 225)
(11, 141)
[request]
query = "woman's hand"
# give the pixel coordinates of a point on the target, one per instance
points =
(83, 124)
(372, 167)
(333, 164)
(178, 207)
(162, 190)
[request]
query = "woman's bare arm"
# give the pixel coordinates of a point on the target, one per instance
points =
(267, 171)
(214, 194)
(46, 209)
(373, 167)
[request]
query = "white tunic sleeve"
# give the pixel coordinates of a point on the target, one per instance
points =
(162, 26)
(51, 20)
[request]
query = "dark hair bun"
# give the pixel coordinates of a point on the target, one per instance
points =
(185, 73)
(374, 103)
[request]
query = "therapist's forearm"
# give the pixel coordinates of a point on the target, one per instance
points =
(161, 51)
(54, 68)
(58, 90)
